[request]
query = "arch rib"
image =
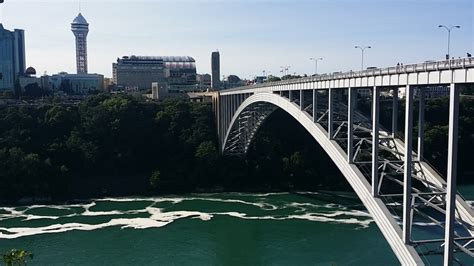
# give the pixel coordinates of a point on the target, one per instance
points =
(392, 232)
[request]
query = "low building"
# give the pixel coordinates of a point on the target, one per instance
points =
(78, 84)
(159, 91)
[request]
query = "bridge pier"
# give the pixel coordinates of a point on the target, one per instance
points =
(375, 140)
(301, 100)
(394, 112)
(350, 124)
(407, 178)
(421, 123)
(449, 244)
(315, 106)
(331, 114)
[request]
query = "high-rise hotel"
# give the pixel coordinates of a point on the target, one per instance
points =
(12, 57)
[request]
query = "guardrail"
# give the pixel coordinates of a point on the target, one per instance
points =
(401, 69)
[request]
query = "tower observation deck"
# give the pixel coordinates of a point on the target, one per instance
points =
(80, 28)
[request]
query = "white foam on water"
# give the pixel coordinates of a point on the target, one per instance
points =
(314, 217)
(177, 200)
(159, 218)
(151, 199)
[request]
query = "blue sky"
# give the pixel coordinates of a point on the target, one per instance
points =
(251, 35)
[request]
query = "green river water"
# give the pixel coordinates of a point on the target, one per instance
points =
(200, 229)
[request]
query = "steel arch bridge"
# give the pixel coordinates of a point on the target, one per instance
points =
(390, 181)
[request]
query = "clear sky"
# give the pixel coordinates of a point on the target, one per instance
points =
(251, 35)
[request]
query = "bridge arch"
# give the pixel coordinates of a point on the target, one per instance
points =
(264, 104)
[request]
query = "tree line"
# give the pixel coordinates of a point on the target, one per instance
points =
(123, 145)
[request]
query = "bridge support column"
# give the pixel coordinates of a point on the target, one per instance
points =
(452, 174)
(225, 106)
(350, 125)
(394, 112)
(315, 106)
(301, 99)
(421, 123)
(331, 113)
(290, 95)
(375, 140)
(407, 210)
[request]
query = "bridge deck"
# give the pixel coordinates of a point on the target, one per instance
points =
(429, 73)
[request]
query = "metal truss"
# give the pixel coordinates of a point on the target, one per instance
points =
(414, 193)
(428, 203)
(244, 128)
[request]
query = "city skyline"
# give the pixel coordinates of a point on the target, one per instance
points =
(241, 31)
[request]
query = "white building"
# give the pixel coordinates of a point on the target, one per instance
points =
(77, 83)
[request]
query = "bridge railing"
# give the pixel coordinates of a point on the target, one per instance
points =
(399, 69)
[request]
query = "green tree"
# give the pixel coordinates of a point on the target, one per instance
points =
(155, 179)
(273, 79)
(206, 151)
(17, 257)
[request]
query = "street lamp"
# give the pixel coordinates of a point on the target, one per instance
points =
(284, 70)
(316, 59)
(362, 49)
(449, 28)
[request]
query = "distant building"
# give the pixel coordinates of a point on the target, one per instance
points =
(77, 84)
(80, 28)
(216, 70)
(159, 91)
(12, 57)
(233, 81)
(178, 72)
(438, 91)
(108, 84)
(259, 79)
(29, 78)
(204, 81)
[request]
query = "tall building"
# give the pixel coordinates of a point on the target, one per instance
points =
(12, 57)
(216, 70)
(80, 28)
(139, 72)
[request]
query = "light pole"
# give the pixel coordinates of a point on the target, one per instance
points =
(316, 59)
(284, 70)
(449, 28)
(362, 49)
